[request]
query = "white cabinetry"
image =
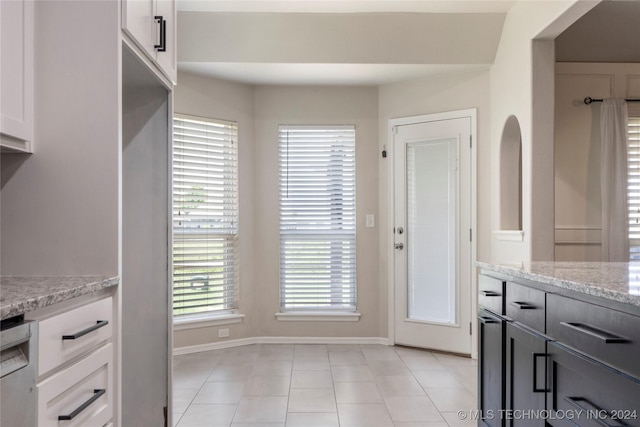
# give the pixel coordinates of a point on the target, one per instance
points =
(16, 75)
(152, 26)
(76, 364)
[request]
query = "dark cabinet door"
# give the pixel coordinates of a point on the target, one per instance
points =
(587, 393)
(491, 365)
(526, 377)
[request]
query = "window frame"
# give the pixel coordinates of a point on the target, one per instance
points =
(338, 227)
(228, 313)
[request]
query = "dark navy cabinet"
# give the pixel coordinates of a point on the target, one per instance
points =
(556, 358)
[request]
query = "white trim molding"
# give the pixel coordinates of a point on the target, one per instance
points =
(578, 235)
(204, 321)
(279, 340)
(509, 235)
(471, 113)
(317, 316)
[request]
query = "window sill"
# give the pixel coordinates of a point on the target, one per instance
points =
(317, 316)
(205, 320)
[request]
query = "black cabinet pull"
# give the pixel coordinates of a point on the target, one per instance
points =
(162, 47)
(535, 372)
(593, 409)
(490, 294)
(603, 336)
(99, 324)
(523, 305)
(96, 395)
(485, 320)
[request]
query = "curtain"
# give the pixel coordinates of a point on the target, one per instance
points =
(613, 180)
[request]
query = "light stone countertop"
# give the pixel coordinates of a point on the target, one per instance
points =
(616, 281)
(20, 294)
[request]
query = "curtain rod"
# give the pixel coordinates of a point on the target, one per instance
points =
(588, 100)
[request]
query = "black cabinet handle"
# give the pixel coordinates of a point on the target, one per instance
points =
(485, 320)
(96, 395)
(603, 336)
(490, 294)
(536, 389)
(593, 409)
(523, 305)
(99, 324)
(162, 47)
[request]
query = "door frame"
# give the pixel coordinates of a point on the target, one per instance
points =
(457, 114)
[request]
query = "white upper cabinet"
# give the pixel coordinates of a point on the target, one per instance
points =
(152, 26)
(16, 75)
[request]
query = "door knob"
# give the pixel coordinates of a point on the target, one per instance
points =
(399, 246)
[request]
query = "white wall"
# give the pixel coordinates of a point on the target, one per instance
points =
(60, 205)
(522, 85)
(336, 38)
(577, 151)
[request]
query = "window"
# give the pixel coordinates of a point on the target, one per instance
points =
(633, 200)
(205, 215)
(633, 186)
(317, 218)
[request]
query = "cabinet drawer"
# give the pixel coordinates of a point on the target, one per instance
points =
(592, 393)
(607, 335)
(84, 327)
(526, 305)
(83, 391)
(491, 294)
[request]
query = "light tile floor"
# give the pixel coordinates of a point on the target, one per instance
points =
(283, 385)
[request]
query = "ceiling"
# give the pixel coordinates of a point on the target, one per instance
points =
(607, 33)
(347, 6)
(336, 42)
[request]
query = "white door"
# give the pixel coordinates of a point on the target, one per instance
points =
(432, 234)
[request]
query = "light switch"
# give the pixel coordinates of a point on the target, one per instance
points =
(371, 220)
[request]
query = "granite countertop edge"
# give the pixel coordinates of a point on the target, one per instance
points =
(600, 290)
(21, 294)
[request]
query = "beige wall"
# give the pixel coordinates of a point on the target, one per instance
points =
(204, 97)
(429, 95)
(276, 105)
(259, 111)
(577, 151)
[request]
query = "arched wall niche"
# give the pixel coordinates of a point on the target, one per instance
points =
(511, 176)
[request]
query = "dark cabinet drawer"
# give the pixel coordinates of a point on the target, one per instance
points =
(526, 382)
(526, 305)
(491, 368)
(491, 294)
(592, 394)
(604, 334)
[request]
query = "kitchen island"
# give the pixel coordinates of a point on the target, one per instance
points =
(559, 344)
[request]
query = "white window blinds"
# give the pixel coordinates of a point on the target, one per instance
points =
(633, 186)
(317, 218)
(205, 215)
(633, 197)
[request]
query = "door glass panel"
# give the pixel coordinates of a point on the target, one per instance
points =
(431, 181)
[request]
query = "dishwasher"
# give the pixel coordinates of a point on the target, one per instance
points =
(18, 361)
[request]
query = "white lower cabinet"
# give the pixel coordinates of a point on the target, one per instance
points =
(76, 363)
(80, 395)
(74, 333)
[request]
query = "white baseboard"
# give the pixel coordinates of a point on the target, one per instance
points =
(278, 340)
